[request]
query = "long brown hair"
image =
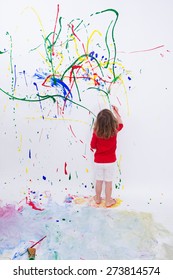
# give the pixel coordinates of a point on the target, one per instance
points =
(106, 124)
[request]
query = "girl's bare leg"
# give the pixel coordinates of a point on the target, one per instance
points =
(109, 201)
(98, 189)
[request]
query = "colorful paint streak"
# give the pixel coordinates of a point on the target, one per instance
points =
(95, 66)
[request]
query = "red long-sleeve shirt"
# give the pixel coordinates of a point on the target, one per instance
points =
(105, 149)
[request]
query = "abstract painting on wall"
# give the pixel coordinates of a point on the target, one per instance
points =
(58, 69)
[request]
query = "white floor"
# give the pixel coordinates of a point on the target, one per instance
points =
(139, 228)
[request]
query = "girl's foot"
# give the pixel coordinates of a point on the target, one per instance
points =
(110, 203)
(97, 199)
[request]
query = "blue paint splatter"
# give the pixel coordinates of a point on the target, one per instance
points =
(29, 153)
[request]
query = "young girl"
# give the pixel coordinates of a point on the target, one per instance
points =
(104, 142)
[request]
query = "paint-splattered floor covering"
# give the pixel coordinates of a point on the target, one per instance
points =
(75, 232)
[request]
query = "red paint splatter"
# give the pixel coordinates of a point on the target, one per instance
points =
(148, 50)
(47, 79)
(96, 83)
(30, 203)
(54, 31)
(83, 46)
(78, 67)
(65, 168)
(118, 101)
(72, 131)
(72, 29)
(95, 75)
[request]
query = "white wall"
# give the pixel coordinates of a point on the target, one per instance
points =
(144, 55)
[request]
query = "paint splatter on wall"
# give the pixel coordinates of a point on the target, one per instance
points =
(58, 69)
(56, 75)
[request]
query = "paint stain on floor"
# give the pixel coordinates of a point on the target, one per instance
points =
(74, 232)
(89, 201)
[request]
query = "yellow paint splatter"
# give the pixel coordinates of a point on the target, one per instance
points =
(90, 202)
(90, 37)
(20, 144)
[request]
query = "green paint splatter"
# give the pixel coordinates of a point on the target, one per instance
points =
(2, 52)
(56, 257)
(44, 97)
(112, 36)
